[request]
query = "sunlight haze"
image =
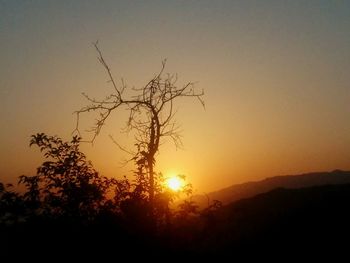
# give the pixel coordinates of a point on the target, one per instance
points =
(275, 76)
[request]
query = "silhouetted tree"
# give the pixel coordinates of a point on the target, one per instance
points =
(66, 184)
(151, 117)
(12, 207)
(187, 207)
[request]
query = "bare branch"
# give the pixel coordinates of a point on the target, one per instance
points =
(105, 65)
(121, 147)
(151, 114)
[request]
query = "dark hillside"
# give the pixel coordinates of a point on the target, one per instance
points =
(311, 220)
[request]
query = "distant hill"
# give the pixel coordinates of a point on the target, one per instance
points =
(313, 220)
(250, 189)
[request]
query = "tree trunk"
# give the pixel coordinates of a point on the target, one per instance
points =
(151, 183)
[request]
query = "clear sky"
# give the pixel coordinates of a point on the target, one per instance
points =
(275, 74)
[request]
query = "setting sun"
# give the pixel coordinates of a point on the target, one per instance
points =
(174, 183)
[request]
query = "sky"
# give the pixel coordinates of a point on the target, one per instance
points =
(275, 76)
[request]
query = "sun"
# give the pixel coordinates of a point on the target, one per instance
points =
(174, 183)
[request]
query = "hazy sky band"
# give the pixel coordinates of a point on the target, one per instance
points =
(275, 74)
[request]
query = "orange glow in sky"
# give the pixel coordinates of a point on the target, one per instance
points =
(275, 76)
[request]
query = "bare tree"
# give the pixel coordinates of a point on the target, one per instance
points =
(151, 115)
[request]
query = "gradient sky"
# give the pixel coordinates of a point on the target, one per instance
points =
(275, 74)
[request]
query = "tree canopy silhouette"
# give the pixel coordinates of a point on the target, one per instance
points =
(68, 200)
(151, 117)
(66, 184)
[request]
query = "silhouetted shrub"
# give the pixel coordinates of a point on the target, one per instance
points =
(66, 184)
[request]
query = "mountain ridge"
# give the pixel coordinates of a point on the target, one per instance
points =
(249, 189)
